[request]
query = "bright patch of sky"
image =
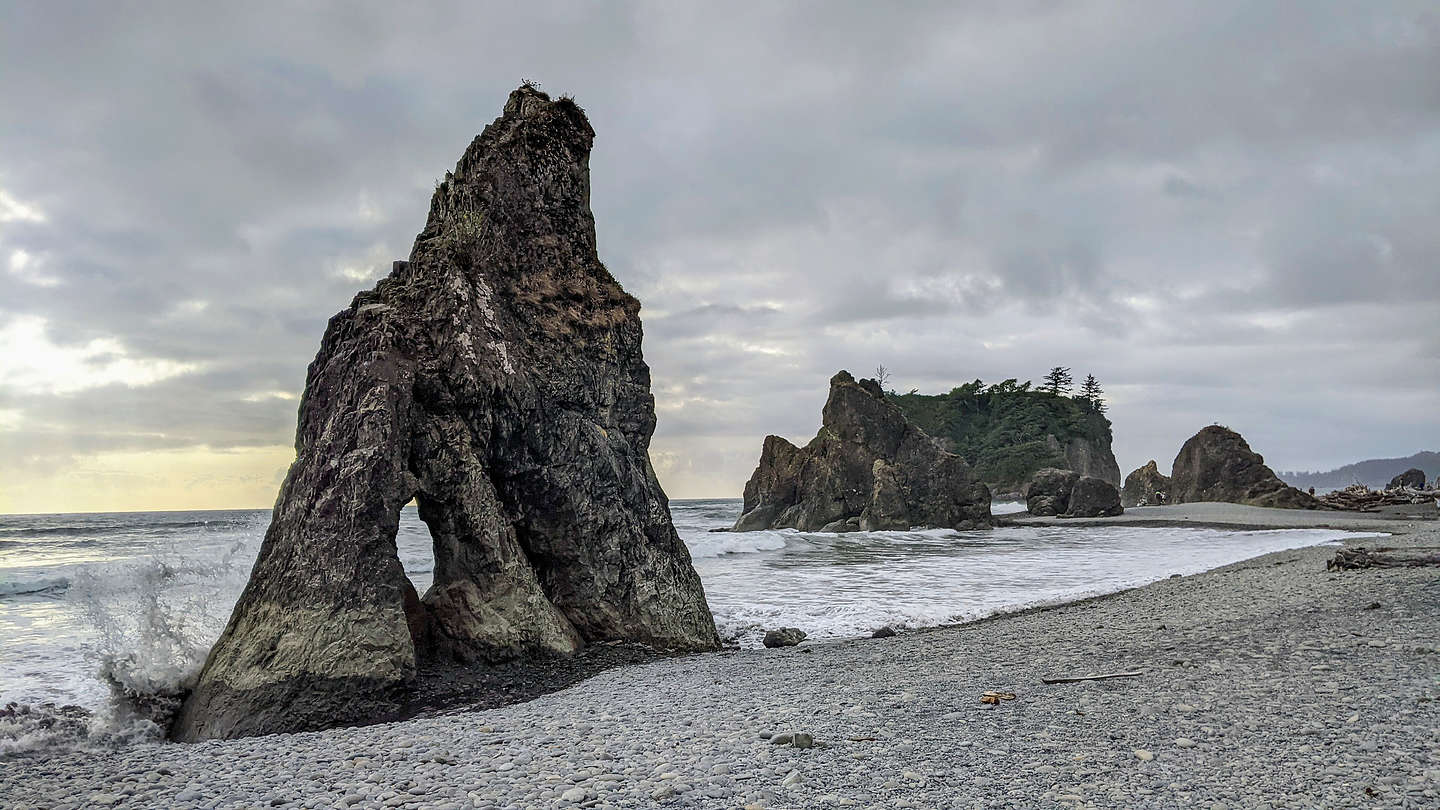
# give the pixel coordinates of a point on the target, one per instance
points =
(33, 362)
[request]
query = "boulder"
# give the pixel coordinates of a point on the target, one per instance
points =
(1217, 464)
(496, 378)
(1048, 492)
(869, 468)
(784, 637)
(1093, 497)
(1413, 478)
(1145, 484)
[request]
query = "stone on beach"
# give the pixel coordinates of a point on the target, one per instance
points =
(496, 378)
(784, 637)
(869, 468)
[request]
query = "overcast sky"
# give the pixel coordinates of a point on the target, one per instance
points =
(1227, 213)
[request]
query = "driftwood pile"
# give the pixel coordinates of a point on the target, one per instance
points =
(1350, 559)
(1360, 498)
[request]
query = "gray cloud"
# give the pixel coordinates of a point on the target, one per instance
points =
(1224, 211)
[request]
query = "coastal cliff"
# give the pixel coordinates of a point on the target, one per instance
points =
(496, 378)
(869, 468)
(1008, 432)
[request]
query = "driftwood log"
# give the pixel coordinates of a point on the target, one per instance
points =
(1360, 498)
(1079, 678)
(1350, 559)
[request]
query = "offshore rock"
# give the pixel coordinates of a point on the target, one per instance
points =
(869, 468)
(1217, 464)
(1093, 497)
(1048, 492)
(497, 378)
(1413, 478)
(1146, 484)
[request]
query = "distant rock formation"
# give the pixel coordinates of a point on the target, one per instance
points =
(1373, 473)
(1217, 464)
(1048, 492)
(1066, 493)
(1093, 497)
(1413, 478)
(868, 469)
(496, 377)
(1143, 484)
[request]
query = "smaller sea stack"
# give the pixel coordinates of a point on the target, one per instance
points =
(868, 469)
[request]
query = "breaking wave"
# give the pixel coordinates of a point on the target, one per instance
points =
(52, 586)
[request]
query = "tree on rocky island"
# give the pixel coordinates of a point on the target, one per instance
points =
(1090, 392)
(1058, 381)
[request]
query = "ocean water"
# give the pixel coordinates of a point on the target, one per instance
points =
(99, 605)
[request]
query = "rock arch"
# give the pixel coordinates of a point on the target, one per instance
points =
(497, 378)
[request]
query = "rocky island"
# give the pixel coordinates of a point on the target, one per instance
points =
(1008, 431)
(868, 469)
(497, 379)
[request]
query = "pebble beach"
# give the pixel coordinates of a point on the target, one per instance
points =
(1267, 683)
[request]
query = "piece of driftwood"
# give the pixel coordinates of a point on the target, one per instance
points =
(1106, 676)
(1360, 498)
(1351, 559)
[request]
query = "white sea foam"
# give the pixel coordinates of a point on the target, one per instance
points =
(718, 544)
(47, 585)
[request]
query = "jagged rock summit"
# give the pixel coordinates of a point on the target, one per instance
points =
(496, 377)
(1146, 485)
(1217, 464)
(869, 469)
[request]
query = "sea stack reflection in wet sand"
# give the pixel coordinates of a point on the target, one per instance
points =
(496, 377)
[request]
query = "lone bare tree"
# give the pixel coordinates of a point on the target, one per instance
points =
(882, 376)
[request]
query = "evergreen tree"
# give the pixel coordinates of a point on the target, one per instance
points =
(1058, 381)
(1090, 392)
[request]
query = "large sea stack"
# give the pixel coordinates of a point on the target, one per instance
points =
(496, 377)
(1217, 464)
(868, 469)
